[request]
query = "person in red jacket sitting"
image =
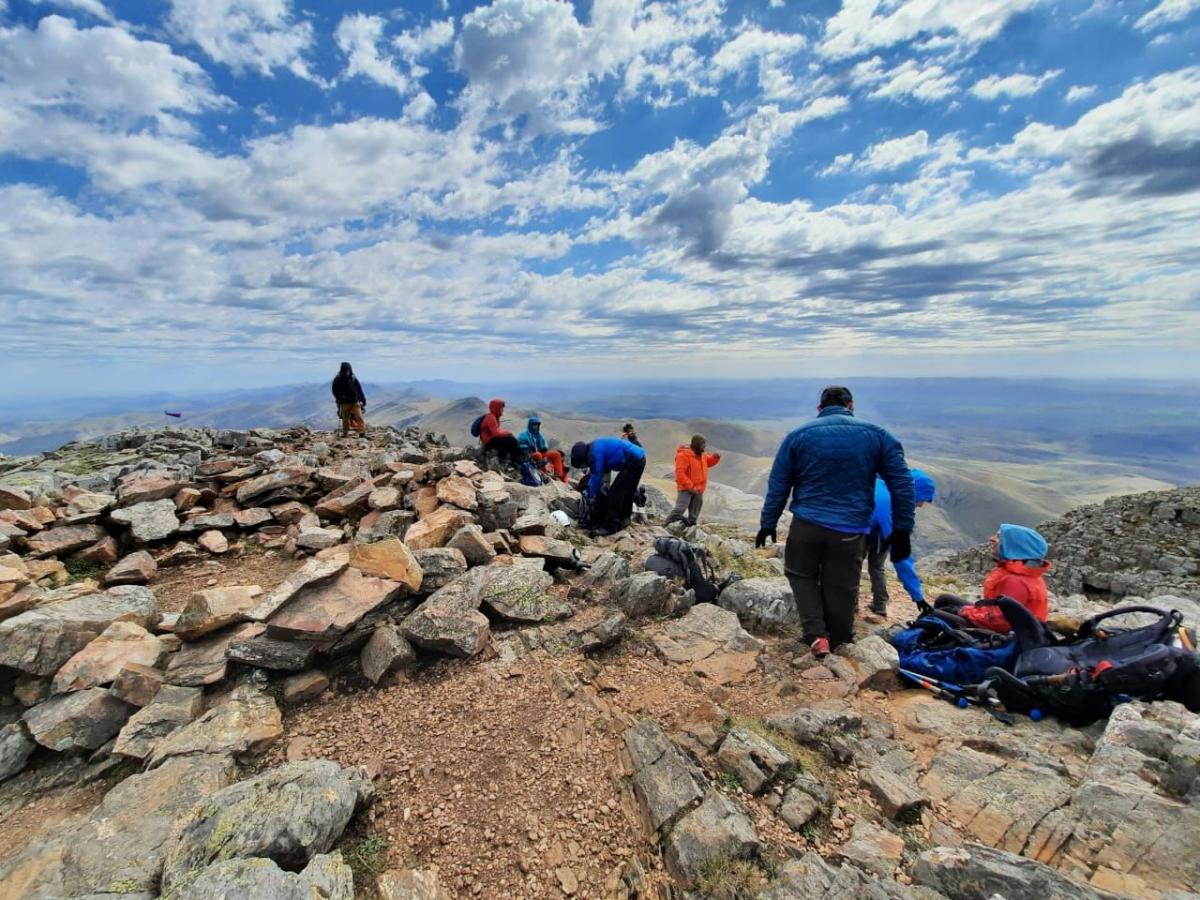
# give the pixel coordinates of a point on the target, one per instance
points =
(1020, 566)
(495, 438)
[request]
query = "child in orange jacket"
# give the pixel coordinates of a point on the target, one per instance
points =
(1019, 574)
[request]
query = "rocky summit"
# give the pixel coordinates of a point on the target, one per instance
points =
(279, 663)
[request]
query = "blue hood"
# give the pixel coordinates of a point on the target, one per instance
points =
(1018, 542)
(923, 485)
(533, 420)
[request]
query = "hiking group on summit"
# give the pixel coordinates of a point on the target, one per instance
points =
(845, 481)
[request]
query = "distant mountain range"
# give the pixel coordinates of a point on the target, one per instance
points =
(1001, 451)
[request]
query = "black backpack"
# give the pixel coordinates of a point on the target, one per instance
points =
(475, 426)
(675, 558)
(1081, 678)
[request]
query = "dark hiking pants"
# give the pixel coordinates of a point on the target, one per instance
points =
(620, 495)
(877, 557)
(823, 567)
(506, 447)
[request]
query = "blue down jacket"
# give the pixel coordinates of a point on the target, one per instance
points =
(828, 466)
(606, 455)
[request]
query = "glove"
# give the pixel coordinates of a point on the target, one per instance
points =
(923, 608)
(901, 544)
(760, 540)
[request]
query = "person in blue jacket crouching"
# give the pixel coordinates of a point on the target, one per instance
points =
(609, 454)
(879, 540)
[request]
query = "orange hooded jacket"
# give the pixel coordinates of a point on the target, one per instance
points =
(1011, 578)
(691, 469)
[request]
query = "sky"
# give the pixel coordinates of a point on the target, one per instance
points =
(232, 193)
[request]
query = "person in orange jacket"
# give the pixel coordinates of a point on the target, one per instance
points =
(1020, 569)
(691, 478)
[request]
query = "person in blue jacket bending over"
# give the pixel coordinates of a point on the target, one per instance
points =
(827, 468)
(610, 454)
(880, 539)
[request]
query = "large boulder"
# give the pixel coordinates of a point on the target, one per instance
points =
(440, 565)
(645, 594)
(324, 612)
(388, 558)
(146, 487)
(476, 549)
(206, 661)
(246, 722)
(457, 491)
(763, 603)
(311, 574)
(553, 551)
(172, 708)
(40, 640)
(437, 528)
(325, 878)
(148, 522)
(213, 608)
(119, 848)
(258, 488)
(84, 720)
(753, 760)
(138, 567)
(63, 540)
(101, 661)
(287, 815)
(450, 621)
(519, 593)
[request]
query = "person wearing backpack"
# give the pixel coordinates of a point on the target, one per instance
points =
(495, 439)
(600, 457)
(1020, 572)
(880, 538)
(691, 478)
(827, 468)
(350, 399)
(533, 445)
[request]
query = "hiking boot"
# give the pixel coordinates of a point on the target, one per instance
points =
(820, 647)
(879, 607)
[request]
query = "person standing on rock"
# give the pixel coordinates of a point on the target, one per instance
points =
(605, 455)
(350, 399)
(879, 540)
(691, 478)
(533, 444)
(495, 439)
(828, 467)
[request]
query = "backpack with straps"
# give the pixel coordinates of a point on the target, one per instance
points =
(477, 425)
(676, 558)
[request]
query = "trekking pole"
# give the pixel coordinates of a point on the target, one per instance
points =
(937, 689)
(960, 696)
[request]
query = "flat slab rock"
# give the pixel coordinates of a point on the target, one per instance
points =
(716, 829)
(84, 720)
(246, 722)
(172, 708)
(973, 872)
(141, 810)
(665, 782)
(289, 815)
(389, 558)
(449, 621)
(711, 641)
(312, 573)
(213, 608)
(148, 522)
(101, 661)
(40, 640)
(64, 539)
(323, 612)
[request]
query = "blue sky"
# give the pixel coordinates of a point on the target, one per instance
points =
(239, 192)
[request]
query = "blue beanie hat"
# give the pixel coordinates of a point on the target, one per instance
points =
(923, 485)
(1018, 542)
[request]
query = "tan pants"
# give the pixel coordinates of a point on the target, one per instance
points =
(351, 415)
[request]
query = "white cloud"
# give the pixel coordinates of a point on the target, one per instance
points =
(927, 82)
(245, 34)
(1166, 12)
(1079, 92)
(896, 152)
(1019, 85)
(359, 36)
(418, 43)
(752, 44)
(865, 25)
(90, 7)
(101, 73)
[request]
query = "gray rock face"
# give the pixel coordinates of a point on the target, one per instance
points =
(716, 829)
(518, 593)
(812, 878)
(608, 568)
(314, 572)
(973, 872)
(326, 877)
(141, 810)
(475, 548)
(645, 594)
(897, 796)
(138, 567)
(804, 799)
(440, 566)
(816, 725)
(204, 661)
(152, 521)
(41, 640)
(875, 662)
(246, 722)
(172, 708)
(450, 621)
(288, 815)
(15, 748)
(665, 781)
(754, 761)
(386, 651)
(84, 720)
(763, 603)
(63, 540)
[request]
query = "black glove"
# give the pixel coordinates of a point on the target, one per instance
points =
(901, 544)
(760, 540)
(923, 608)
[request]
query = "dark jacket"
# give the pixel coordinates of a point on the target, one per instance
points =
(828, 467)
(609, 455)
(348, 390)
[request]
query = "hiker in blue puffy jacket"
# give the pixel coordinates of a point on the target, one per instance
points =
(879, 540)
(828, 468)
(605, 455)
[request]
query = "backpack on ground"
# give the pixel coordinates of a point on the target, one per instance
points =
(676, 558)
(1081, 678)
(530, 476)
(937, 648)
(477, 425)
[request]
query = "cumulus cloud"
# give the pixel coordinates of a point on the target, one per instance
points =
(1079, 92)
(896, 152)
(245, 34)
(1165, 13)
(1019, 85)
(924, 82)
(90, 7)
(865, 25)
(358, 36)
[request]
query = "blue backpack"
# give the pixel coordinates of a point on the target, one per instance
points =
(475, 426)
(933, 647)
(530, 476)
